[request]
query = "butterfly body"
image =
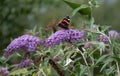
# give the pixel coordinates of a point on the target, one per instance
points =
(64, 23)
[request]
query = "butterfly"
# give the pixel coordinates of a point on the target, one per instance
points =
(64, 23)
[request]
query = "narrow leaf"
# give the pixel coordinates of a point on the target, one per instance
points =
(107, 62)
(19, 72)
(101, 59)
(83, 11)
(72, 5)
(79, 8)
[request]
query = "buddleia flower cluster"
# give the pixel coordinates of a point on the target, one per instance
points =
(27, 43)
(63, 36)
(103, 38)
(106, 38)
(113, 34)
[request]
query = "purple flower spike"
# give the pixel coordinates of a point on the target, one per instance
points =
(25, 42)
(24, 64)
(56, 38)
(114, 34)
(4, 71)
(103, 38)
(62, 36)
(75, 35)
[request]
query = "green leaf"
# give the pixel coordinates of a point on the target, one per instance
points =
(19, 71)
(78, 9)
(101, 59)
(73, 74)
(72, 5)
(82, 9)
(110, 71)
(107, 62)
(117, 59)
(83, 71)
(101, 47)
(92, 21)
(30, 72)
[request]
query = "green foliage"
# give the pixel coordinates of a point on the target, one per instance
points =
(81, 8)
(99, 59)
(18, 72)
(14, 18)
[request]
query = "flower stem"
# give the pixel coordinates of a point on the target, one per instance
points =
(53, 64)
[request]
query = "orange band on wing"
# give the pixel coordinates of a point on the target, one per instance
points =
(66, 22)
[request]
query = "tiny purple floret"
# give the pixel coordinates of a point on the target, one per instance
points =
(94, 27)
(24, 64)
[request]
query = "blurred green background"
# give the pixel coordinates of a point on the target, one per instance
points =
(17, 16)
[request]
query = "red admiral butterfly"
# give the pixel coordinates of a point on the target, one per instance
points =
(64, 23)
